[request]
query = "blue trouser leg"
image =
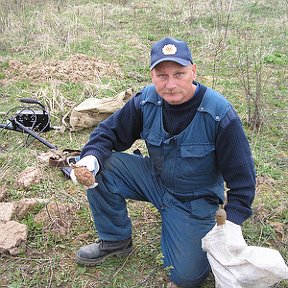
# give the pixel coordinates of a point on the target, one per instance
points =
(123, 176)
(183, 227)
(183, 224)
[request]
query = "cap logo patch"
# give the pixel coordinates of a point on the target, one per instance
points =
(169, 49)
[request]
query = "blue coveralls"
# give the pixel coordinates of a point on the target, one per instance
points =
(180, 178)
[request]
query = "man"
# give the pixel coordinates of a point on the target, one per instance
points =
(195, 142)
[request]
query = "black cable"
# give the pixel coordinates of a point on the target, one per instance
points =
(6, 114)
(19, 111)
(45, 112)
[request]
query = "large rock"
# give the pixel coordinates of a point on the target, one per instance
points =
(13, 237)
(6, 211)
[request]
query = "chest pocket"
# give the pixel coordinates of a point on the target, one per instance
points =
(155, 149)
(197, 159)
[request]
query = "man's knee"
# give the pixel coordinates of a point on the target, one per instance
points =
(189, 280)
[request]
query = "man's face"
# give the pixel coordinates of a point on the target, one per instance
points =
(174, 82)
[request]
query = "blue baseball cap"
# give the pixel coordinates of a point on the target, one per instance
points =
(170, 49)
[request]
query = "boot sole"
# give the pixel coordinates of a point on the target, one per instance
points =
(93, 262)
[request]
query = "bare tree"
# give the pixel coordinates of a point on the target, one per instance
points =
(250, 75)
(221, 25)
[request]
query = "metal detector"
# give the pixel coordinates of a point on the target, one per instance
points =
(32, 120)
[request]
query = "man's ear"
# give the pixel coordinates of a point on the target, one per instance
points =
(193, 67)
(151, 76)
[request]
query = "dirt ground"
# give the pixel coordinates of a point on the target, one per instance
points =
(76, 68)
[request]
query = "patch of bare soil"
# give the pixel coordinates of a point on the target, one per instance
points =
(57, 217)
(76, 68)
(31, 175)
(263, 183)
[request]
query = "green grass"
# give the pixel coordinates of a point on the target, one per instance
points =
(120, 33)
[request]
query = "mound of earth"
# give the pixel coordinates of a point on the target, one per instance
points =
(76, 68)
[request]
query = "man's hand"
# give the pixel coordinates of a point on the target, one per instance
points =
(90, 162)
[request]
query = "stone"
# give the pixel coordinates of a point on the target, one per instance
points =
(6, 211)
(28, 177)
(13, 237)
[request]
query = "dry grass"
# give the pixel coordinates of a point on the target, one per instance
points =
(62, 52)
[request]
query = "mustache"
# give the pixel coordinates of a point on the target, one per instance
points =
(170, 91)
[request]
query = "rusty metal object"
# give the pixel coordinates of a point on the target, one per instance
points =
(83, 175)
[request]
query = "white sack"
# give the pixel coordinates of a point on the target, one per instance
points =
(237, 265)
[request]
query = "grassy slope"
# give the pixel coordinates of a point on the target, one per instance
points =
(121, 33)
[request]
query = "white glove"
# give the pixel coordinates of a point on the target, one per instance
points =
(91, 163)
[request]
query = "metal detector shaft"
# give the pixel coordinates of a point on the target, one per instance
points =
(14, 125)
(35, 135)
(7, 126)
